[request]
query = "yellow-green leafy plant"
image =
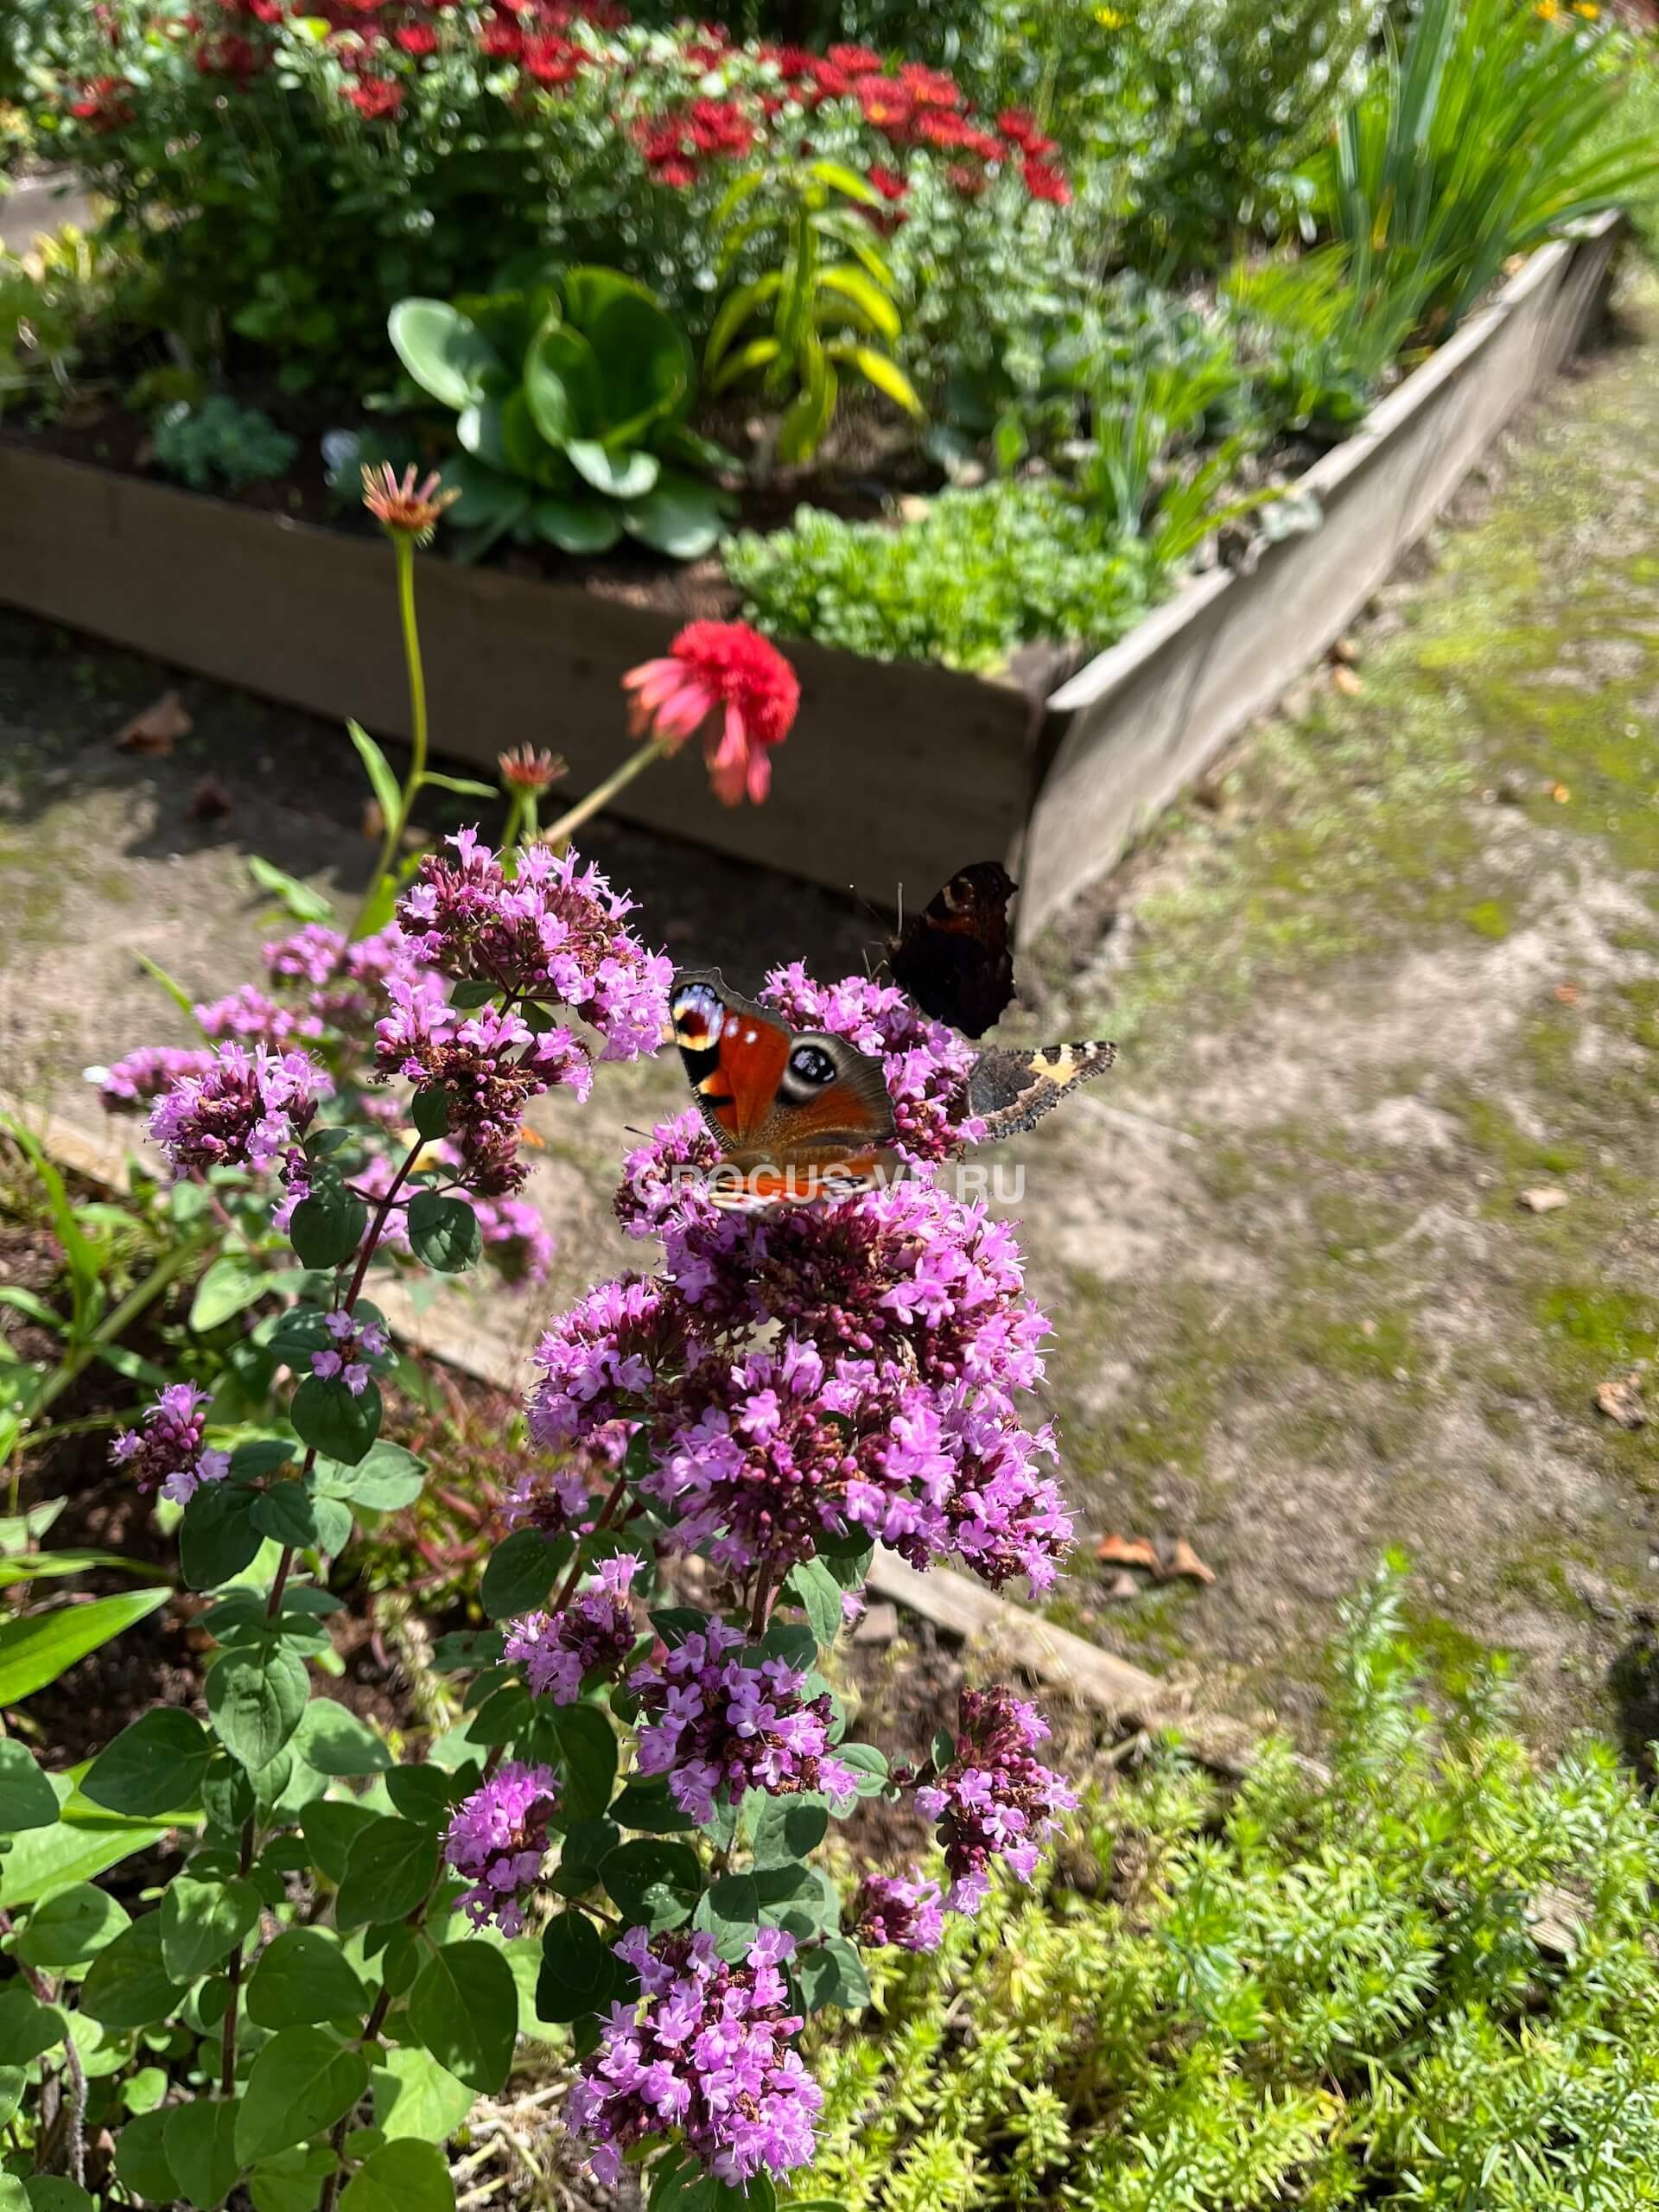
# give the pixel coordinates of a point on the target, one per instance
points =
(829, 310)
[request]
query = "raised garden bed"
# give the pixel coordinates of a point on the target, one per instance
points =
(896, 774)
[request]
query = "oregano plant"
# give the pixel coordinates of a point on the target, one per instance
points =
(619, 1841)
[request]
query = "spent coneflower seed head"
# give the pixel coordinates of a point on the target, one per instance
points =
(403, 507)
(526, 768)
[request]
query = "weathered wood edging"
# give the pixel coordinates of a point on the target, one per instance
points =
(896, 774)
(1139, 725)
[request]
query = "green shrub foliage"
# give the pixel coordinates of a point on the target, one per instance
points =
(979, 574)
(1315, 1991)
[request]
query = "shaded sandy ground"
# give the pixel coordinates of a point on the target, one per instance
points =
(1398, 964)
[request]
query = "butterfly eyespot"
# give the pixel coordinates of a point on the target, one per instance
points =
(811, 1063)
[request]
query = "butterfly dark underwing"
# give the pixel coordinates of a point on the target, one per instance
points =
(954, 958)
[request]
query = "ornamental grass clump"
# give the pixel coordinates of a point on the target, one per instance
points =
(342, 1931)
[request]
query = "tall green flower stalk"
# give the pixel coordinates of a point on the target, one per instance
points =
(409, 514)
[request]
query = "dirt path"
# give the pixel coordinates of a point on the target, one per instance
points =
(1401, 966)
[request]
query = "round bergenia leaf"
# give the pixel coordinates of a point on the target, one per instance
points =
(679, 517)
(583, 527)
(618, 473)
(646, 367)
(562, 385)
(444, 351)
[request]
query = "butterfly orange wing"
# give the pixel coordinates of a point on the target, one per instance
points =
(774, 1099)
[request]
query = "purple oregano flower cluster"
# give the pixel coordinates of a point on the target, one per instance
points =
(782, 1384)
(351, 1346)
(488, 1066)
(857, 1367)
(907, 1915)
(717, 1725)
(706, 2050)
(168, 1453)
(245, 1110)
(552, 934)
(854, 1367)
(993, 1800)
(497, 1842)
(593, 1634)
(337, 1014)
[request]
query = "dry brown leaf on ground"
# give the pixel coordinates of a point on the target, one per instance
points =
(1620, 1399)
(1183, 1560)
(1345, 650)
(158, 729)
(1347, 680)
(1544, 1200)
(1127, 1551)
(1567, 994)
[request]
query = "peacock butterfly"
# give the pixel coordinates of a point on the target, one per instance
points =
(954, 960)
(799, 1114)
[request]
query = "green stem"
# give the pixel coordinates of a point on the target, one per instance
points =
(233, 1976)
(636, 764)
(403, 548)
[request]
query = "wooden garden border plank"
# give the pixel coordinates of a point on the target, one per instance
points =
(1128, 733)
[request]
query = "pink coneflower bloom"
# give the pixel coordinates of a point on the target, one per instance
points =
(711, 665)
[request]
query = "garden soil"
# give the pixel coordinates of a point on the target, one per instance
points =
(1356, 1249)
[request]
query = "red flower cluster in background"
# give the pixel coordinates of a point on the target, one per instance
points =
(383, 44)
(920, 106)
(101, 104)
(704, 129)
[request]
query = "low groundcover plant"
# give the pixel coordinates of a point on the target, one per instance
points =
(1420, 1975)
